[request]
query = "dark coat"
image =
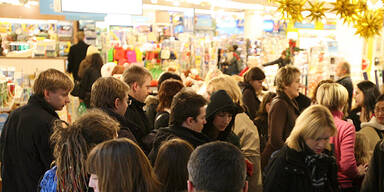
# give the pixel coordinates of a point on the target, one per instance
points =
(251, 101)
(135, 114)
(76, 54)
(125, 126)
(287, 172)
(347, 83)
(281, 118)
(26, 152)
(303, 102)
(354, 115)
(167, 133)
(262, 127)
(90, 76)
(374, 179)
(280, 61)
(161, 120)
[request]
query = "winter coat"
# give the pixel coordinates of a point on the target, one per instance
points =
(281, 118)
(161, 120)
(26, 152)
(346, 81)
(287, 172)
(302, 102)
(250, 147)
(90, 76)
(374, 178)
(251, 101)
(261, 122)
(136, 115)
(76, 54)
(373, 131)
(344, 146)
(125, 126)
(221, 101)
(167, 133)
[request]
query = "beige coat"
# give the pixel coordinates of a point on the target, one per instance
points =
(368, 130)
(250, 146)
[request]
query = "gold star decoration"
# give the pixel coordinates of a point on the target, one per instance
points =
(291, 9)
(362, 6)
(317, 11)
(369, 24)
(345, 9)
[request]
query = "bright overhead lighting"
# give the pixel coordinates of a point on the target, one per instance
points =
(154, 1)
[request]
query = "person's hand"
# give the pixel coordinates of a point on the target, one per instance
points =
(362, 169)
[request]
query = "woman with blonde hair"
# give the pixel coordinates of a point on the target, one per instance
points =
(243, 127)
(305, 162)
(335, 97)
(284, 111)
(120, 165)
(71, 146)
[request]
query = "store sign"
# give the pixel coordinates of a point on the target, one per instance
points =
(132, 7)
(48, 7)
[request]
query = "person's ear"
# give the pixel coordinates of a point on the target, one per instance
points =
(245, 189)
(190, 186)
(189, 120)
(46, 93)
(116, 103)
(134, 86)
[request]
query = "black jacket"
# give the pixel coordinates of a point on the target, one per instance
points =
(76, 54)
(347, 83)
(251, 101)
(167, 133)
(280, 61)
(136, 116)
(161, 120)
(125, 126)
(287, 172)
(26, 152)
(90, 76)
(261, 123)
(374, 179)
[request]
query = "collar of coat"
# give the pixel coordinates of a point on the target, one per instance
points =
(133, 102)
(39, 100)
(292, 102)
(373, 123)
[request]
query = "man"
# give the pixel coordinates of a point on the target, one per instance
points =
(76, 54)
(282, 61)
(139, 79)
(111, 95)
(343, 72)
(25, 149)
(186, 121)
(217, 167)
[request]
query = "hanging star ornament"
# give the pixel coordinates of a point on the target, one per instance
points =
(346, 10)
(291, 9)
(369, 24)
(317, 11)
(362, 6)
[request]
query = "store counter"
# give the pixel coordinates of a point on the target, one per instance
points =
(30, 65)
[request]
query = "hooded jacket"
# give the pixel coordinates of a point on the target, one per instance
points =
(373, 131)
(220, 101)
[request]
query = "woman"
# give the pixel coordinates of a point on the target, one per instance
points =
(373, 181)
(284, 110)
(335, 97)
(71, 147)
(253, 80)
(168, 89)
(219, 115)
(365, 99)
(303, 163)
(92, 73)
(317, 87)
(171, 165)
(373, 130)
(243, 127)
(120, 165)
(261, 120)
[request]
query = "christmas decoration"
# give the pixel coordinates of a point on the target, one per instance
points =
(346, 10)
(291, 9)
(317, 11)
(362, 6)
(369, 24)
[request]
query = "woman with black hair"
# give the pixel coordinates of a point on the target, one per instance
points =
(365, 99)
(219, 115)
(92, 73)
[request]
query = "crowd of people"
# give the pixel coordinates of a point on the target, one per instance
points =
(234, 136)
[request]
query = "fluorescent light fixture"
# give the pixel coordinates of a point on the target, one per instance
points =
(132, 7)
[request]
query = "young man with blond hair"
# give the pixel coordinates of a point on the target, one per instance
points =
(25, 150)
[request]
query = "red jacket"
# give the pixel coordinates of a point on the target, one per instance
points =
(344, 145)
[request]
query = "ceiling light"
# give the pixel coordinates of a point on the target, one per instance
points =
(154, 1)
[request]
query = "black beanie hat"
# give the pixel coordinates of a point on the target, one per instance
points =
(221, 101)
